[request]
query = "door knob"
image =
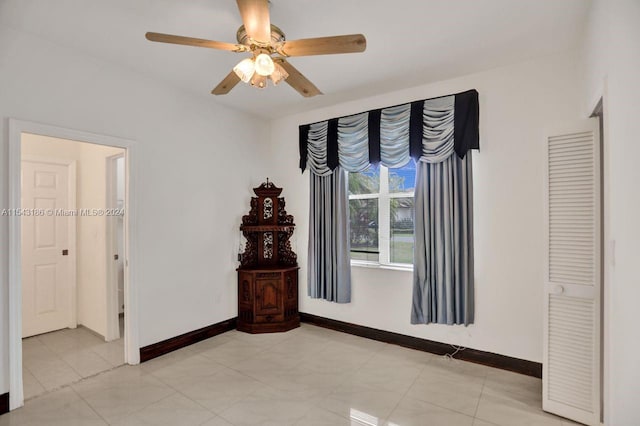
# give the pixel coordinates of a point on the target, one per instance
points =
(558, 289)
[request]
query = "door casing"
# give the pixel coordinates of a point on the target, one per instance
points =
(113, 323)
(131, 338)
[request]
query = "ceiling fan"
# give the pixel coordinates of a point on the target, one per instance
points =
(268, 49)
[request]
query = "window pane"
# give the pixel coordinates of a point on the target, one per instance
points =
(401, 241)
(367, 182)
(403, 179)
(363, 216)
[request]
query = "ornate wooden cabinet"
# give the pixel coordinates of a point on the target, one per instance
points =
(268, 274)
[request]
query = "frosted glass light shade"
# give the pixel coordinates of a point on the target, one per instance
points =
(245, 69)
(264, 64)
(278, 74)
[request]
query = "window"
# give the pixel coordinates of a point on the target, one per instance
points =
(381, 214)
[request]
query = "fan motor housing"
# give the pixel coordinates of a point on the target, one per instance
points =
(277, 36)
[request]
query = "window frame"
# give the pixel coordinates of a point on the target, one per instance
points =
(384, 224)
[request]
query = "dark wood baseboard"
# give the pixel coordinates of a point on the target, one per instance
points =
(157, 349)
(504, 362)
(257, 328)
(4, 403)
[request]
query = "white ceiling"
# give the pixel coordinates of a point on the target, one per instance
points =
(409, 42)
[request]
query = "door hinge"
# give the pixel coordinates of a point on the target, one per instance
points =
(65, 252)
(115, 257)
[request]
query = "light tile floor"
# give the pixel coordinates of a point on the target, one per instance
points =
(59, 358)
(308, 376)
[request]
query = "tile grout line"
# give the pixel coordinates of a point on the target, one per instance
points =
(233, 368)
(70, 385)
(484, 382)
(341, 383)
(114, 342)
(335, 390)
(24, 367)
(190, 399)
(128, 414)
(112, 367)
(404, 395)
(197, 403)
(88, 405)
(266, 347)
(455, 410)
(214, 416)
(71, 366)
(59, 356)
(253, 392)
(153, 403)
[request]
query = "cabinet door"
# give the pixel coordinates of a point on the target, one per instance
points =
(269, 303)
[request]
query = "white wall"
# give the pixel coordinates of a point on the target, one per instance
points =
(197, 162)
(516, 102)
(91, 274)
(92, 237)
(612, 64)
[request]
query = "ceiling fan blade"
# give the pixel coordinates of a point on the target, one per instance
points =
(299, 81)
(255, 16)
(198, 42)
(227, 84)
(351, 43)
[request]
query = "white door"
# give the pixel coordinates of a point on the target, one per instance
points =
(571, 365)
(48, 301)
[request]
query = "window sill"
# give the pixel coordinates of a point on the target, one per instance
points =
(376, 265)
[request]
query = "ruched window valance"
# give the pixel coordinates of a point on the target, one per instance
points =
(429, 131)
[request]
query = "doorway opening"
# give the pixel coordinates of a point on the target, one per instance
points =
(70, 274)
(68, 331)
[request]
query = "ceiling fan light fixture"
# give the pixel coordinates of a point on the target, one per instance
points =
(264, 64)
(245, 69)
(259, 81)
(258, 37)
(279, 74)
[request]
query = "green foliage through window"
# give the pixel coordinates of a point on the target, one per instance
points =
(381, 214)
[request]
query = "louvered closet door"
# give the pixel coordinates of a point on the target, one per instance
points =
(571, 368)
